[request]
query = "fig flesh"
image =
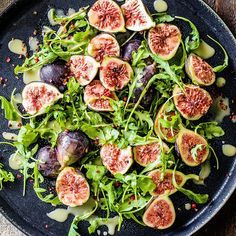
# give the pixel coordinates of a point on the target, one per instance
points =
(71, 146)
(164, 40)
(84, 68)
(193, 102)
(136, 16)
(165, 186)
(55, 73)
(115, 74)
(72, 187)
(37, 96)
(131, 46)
(48, 163)
(106, 15)
(160, 214)
(103, 45)
(199, 71)
(192, 147)
(97, 97)
(149, 153)
(116, 160)
(166, 125)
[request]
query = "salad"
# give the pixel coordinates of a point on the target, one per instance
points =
(117, 115)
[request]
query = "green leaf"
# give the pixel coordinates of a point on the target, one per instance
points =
(146, 184)
(95, 172)
(5, 176)
(9, 111)
(194, 151)
(27, 135)
(161, 18)
(210, 130)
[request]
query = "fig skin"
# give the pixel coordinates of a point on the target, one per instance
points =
(136, 16)
(48, 163)
(72, 187)
(166, 134)
(116, 160)
(130, 47)
(115, 74)
(103, 45)
(71, 146)
(97, 97)
(193, 102)
(166, 187)
(106, 15)
(83, 68)
(199, 71)
(55, 73)
(164, 40)
(148, 72)
(37, 96)
(160, 214)
(186, 141)
(148, 153)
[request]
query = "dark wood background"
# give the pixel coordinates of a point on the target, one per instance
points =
(224, 223)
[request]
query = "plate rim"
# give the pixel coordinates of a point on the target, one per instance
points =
(12, 218)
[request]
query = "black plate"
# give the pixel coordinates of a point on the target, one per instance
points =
(28, 213)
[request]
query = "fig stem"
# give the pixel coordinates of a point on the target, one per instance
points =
(220, 68)
(214, 154)
(192, 176)
(130, 37)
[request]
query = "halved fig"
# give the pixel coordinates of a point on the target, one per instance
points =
(160, 214)
(149, 153)
(166, 124)
(84, 68)
(193, 102)
(72, 187)
(165, 186)
(116, 160)
(164, 40)
(97, 97)
(136, 16)
(199, 71)
(115, 74)
(106, 15)
(103, 45)
(192, 147)
(37, 96)
(71, 146)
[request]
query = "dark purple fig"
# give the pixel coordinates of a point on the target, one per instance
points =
(148, 72)
(131, 46)
(115, 74)
(71, 146)
(106, 16)
(103, 45)
(148, 153)
(55, 74)
(48, 163)
(97, 97)
(193, 102)
(72, 187)
(199, 71)
(164, 40)
(167, 133)
(37, 96)
(192, 147)
(136, 16)
(83, 68)
(116, 160)
(160, 214)
(165, 186)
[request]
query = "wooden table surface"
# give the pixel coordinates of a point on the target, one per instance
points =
(224, 223)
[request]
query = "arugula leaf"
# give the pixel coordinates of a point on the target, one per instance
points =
(194, 151)
(220, 68)
(5, 176)
(9, 111)
(27, 135)
(210, 130)
(163, 17)
(192, 42)
(95, 172)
